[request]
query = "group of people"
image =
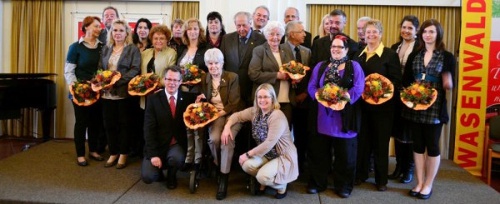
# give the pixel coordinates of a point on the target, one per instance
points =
(293, 133)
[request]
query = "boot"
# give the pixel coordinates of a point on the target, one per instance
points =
(222, 191)
(397, 172)
(172, 178)
(408, 175)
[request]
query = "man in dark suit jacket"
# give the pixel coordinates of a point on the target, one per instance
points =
(321, 47)
(165, 131)
(237, 48)
(292, 14)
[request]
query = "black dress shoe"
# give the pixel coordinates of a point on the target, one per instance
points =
(424, 196)
(343, 194)
(222, 190)
(281, 195)
(413, 193)
(312, 191)
(381, 187)
(83, 163)
(96, 158)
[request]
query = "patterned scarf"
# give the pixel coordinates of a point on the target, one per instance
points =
(332, 75)
(259, 132)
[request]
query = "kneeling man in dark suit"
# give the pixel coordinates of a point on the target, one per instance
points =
(164, 130)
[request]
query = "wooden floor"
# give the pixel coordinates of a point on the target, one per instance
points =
(12, 145)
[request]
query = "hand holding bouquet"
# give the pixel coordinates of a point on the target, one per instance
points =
(295, 70)
(191, 74)
(378, 89)
(143, 84)
(333, 96)
(104, 79)
(82, 93)
(419, 95)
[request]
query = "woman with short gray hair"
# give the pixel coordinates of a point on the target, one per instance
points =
(265, 67)
(221, 88)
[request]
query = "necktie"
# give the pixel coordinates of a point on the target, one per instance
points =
(172, 105)
(298, 57)
(172, 109)
(243, 40)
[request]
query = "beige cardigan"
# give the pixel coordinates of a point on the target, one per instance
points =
(165, 58)
(278, 135)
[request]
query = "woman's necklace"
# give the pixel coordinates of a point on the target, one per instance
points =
(118, 50)
(215, 87)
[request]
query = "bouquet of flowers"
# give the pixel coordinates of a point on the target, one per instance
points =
(191, 74)
(419, 95)
(332, 96)
(197, 115)
(295, 70)
(143, 84)
(378, 89)
(104, 79)
(82, 93)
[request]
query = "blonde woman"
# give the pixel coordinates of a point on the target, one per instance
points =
(120, 54)
(273, 162)
(324, 27)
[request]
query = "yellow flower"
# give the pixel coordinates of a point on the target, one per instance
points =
(106, 73)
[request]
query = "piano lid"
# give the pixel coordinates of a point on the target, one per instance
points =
(25, 75)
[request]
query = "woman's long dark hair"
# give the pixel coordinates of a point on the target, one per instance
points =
(411, 18)
(135, 37)
(439, 31)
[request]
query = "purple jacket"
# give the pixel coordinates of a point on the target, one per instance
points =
(330, 121)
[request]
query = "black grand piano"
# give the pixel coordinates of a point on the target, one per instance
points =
(19, 91)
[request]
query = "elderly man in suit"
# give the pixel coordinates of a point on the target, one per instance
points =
(237, 48)
(292, 14)
(164, 130)
(321, 46)
(294, 47)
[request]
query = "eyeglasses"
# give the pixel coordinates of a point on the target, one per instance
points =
(263, 97)
(172, 80)
(337, 47)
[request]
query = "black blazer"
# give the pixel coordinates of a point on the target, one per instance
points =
(160, 126)
(307, 40)
(321, 49)
(199, 58)
(233, 63)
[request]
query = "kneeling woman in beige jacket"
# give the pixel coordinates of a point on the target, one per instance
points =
(273, 162)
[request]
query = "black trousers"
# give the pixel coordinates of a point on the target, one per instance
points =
(376, 128)
(300, 133)
(320, 160)
(174, 158)
(88, 119)
(404, 155)
(118, 123)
